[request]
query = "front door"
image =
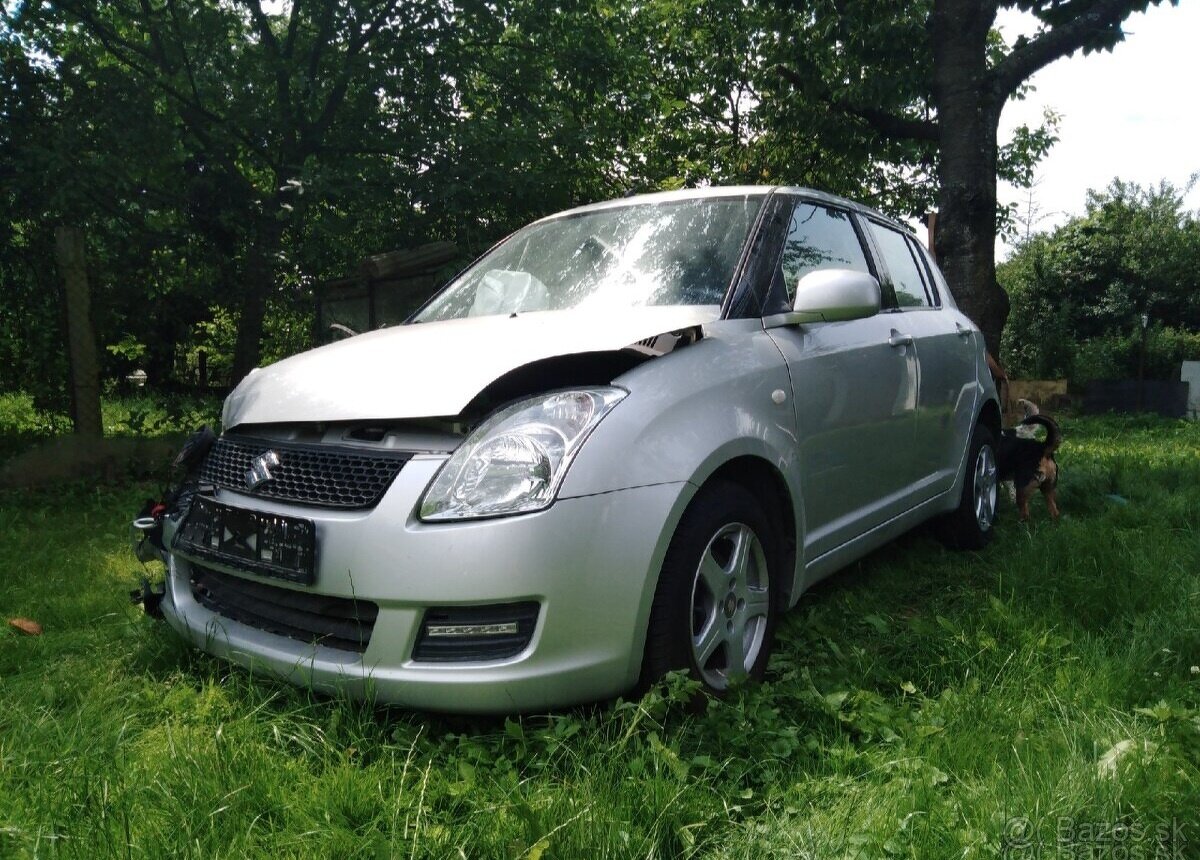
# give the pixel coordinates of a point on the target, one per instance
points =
(855, 393)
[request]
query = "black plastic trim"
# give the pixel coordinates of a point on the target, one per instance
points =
(321, 619)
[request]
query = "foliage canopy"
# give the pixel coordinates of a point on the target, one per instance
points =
(1078, 292)
(225, 157)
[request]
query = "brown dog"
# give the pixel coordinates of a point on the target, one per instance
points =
(1030, 464)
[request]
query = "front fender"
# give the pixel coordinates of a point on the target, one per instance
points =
(690, 412)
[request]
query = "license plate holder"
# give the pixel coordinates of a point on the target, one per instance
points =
(255, 541)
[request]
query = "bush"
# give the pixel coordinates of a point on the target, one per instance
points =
(1118, 356)
(287, 330)
(1077, 293)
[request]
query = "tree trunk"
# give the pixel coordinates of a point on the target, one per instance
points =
(161, 346)
(259, 283)
(968, 117)
(81, 340)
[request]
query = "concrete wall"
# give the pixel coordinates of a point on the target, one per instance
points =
(1190, 373)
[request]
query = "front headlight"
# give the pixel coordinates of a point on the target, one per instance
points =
(515, 461)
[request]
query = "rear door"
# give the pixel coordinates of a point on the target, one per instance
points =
(949, 388)
(945, 353)
(854, 391)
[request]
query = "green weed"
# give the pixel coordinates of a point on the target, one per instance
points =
(923, 703)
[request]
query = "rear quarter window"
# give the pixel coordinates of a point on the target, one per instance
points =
(903, 271)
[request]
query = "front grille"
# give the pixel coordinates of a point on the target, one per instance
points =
(325, 475)
(335, 622)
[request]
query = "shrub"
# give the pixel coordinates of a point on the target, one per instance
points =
(1118, 356)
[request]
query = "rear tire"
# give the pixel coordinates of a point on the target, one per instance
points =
(717, 598)
(972, 524)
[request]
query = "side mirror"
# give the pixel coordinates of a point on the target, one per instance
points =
(831, 295)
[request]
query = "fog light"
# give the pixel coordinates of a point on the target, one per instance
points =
(505, 629)
(464, 633)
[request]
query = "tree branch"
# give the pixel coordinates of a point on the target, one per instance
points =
(163, 61)
(283, 78)
(289, 42)
(884, 122)
(337, 94)
(263, 26)
(127, 53)
(189, 71)
(1059, 41)
(372, 29)
(320, 40)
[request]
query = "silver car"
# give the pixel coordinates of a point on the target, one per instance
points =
(621, 442)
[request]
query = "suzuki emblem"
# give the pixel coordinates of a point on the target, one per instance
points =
(260, 469)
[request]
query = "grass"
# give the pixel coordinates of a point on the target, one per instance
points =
(923, 703)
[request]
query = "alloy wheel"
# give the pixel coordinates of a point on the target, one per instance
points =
(731, 602)
(986, 487)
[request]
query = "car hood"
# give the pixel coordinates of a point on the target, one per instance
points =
(434, 369)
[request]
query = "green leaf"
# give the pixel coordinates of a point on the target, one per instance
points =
(514, 729)
(877, 622)
(835, 700)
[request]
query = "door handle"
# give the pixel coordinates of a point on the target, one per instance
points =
(962, 330)
(898, 339)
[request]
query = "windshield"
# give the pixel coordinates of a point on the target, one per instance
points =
(681, 252)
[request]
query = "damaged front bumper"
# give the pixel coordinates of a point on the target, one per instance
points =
(145, 539)
(576, 580)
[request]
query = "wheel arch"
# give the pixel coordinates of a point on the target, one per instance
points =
(766, 483)
(745, 465)
(989, 416)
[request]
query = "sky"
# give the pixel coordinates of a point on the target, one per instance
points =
(1133, 113)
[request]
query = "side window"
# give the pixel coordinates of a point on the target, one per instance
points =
(901, 265)
(940, 290)
(819, 238)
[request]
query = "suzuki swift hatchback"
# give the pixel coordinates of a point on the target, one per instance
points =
(622, 442)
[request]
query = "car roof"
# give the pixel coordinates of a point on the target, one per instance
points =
(716, 191)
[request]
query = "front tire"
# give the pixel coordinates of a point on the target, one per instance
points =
(716, 603)
(972, 524)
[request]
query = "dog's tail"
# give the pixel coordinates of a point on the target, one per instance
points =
(1053, 433)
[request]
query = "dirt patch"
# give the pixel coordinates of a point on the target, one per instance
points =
(1049, 394)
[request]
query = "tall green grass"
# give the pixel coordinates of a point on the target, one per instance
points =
(1039, 695)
